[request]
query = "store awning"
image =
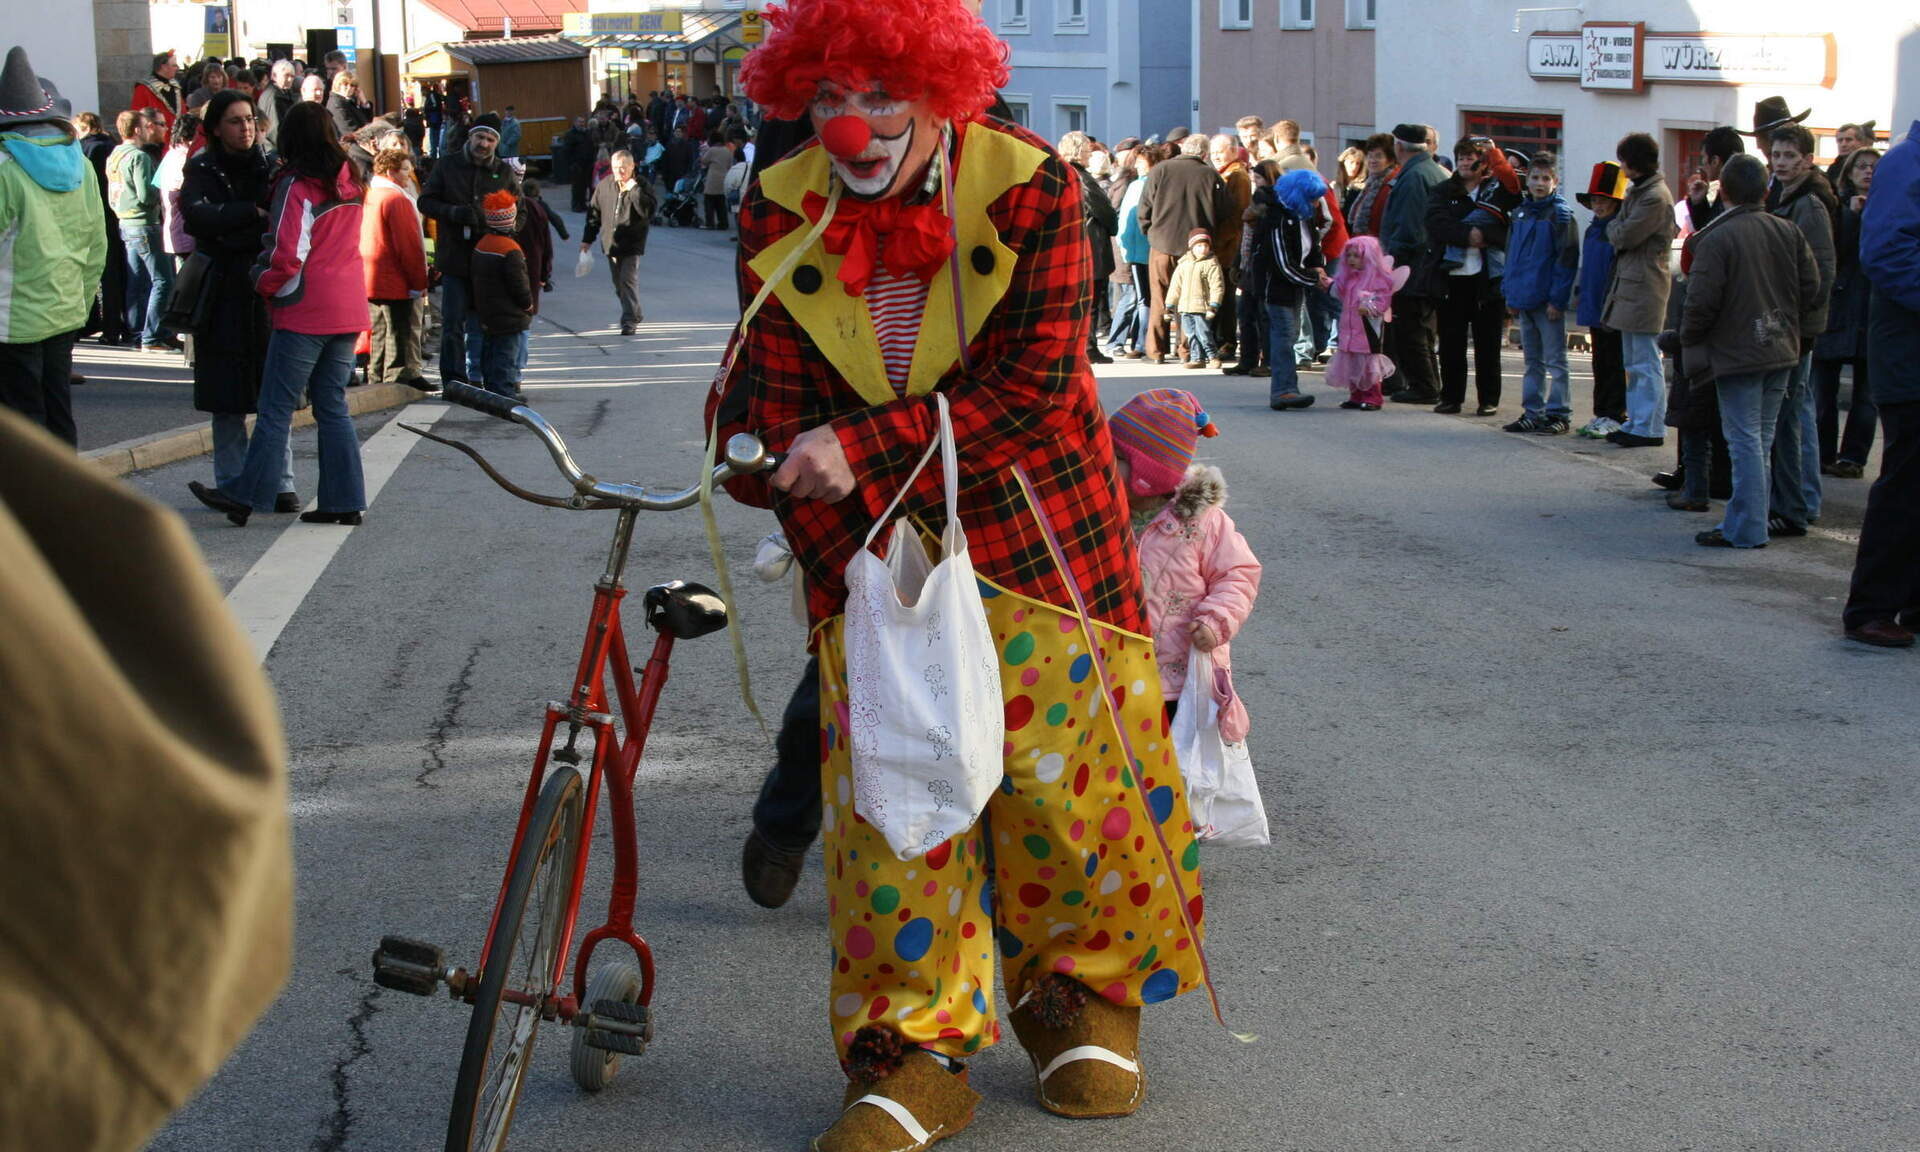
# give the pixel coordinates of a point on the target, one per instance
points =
(460, 57)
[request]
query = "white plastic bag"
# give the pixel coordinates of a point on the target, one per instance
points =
(583, 265)
(1221, 791)
(927, 723)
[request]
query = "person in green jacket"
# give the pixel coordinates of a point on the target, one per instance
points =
(136, 204)
(53, 245)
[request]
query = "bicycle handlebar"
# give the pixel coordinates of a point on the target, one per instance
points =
(744, 456)
(480, 400)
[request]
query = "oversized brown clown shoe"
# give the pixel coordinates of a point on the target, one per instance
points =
(898, 1098)
(1085, 1049)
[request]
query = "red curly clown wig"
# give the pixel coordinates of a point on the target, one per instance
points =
(933, 50)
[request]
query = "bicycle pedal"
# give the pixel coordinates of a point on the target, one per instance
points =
(617, 1026)
(408, 965)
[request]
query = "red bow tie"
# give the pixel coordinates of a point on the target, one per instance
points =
(906, 239)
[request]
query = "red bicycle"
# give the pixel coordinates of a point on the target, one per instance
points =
(521, 980)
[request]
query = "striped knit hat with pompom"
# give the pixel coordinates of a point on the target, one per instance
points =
(501, 209)
(1155, 433)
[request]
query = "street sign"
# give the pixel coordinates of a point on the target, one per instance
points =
(753, 28)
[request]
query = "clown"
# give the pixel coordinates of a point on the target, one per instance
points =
(920, 246)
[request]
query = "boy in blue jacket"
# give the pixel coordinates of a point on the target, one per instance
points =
(1543, 254)
(1606, 188)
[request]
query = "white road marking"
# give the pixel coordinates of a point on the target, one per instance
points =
(274, 588)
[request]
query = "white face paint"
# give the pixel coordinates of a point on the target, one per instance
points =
(898, 149)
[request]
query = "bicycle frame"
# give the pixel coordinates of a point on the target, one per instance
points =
(616, 760)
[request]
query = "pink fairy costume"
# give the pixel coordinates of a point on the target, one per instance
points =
(1357, 365)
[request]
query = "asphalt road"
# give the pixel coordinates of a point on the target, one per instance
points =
(1584, 837)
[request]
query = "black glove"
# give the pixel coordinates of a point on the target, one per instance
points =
(464, 214)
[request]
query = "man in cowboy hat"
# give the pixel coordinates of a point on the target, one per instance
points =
(1768, 115)
(50, 206)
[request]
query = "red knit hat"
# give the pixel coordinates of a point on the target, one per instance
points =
(501, 208)
(1155, 433)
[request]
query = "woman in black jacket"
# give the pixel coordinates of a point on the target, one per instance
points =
(223, 198)
(1845, 340)
(344, 105)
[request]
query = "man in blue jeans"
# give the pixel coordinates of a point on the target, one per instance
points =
(1752, 291)
(136, 204)
(1800, 195)
(1286, 246)
(453, 195)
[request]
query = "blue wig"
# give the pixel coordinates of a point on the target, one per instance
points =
(1298, 190)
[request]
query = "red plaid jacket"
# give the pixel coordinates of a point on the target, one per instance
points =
(1029, 399)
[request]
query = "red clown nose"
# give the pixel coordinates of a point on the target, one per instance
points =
(846, 136)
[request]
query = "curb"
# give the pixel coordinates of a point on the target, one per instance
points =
(145, 452)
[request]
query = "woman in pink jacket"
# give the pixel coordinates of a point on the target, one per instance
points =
(1199, 575)
(311, 273)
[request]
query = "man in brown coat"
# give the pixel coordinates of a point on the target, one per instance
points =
(1642, 237)
(1182, 195)
(1752, 291)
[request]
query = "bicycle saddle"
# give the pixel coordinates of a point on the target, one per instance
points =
(685, 610)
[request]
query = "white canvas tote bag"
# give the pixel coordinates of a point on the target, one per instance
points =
(926, 720)
(1221, 791)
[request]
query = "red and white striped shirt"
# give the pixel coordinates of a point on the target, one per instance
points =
(897, 303)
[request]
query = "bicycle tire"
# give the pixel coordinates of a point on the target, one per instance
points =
(483, 1106)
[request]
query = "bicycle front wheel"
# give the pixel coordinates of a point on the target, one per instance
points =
(519, 961)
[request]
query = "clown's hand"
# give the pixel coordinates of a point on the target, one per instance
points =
(816, 468)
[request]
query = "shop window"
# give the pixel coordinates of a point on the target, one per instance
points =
(1527, 132)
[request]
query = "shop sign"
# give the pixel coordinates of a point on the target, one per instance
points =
(1610, 57)
(753, 28)
(621, 24)
(1681, 58)
(1805, 61)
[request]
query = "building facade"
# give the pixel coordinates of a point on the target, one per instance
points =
(1576, 80)
(1309, 61)
(1111, 68)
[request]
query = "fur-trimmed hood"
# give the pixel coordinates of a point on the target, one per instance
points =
(1203, 488)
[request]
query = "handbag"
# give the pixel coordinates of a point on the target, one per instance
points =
(1222, 793)
(926, 722)
(192, 292)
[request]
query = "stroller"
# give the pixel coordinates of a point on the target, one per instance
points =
(680, 208)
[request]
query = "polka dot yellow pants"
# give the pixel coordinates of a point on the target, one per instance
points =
(1059, 874)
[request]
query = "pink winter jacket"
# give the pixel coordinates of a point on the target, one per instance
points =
(310, 270)
(1196, 566)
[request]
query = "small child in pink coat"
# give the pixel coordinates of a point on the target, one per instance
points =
(1365, 286)
(1199, 576)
